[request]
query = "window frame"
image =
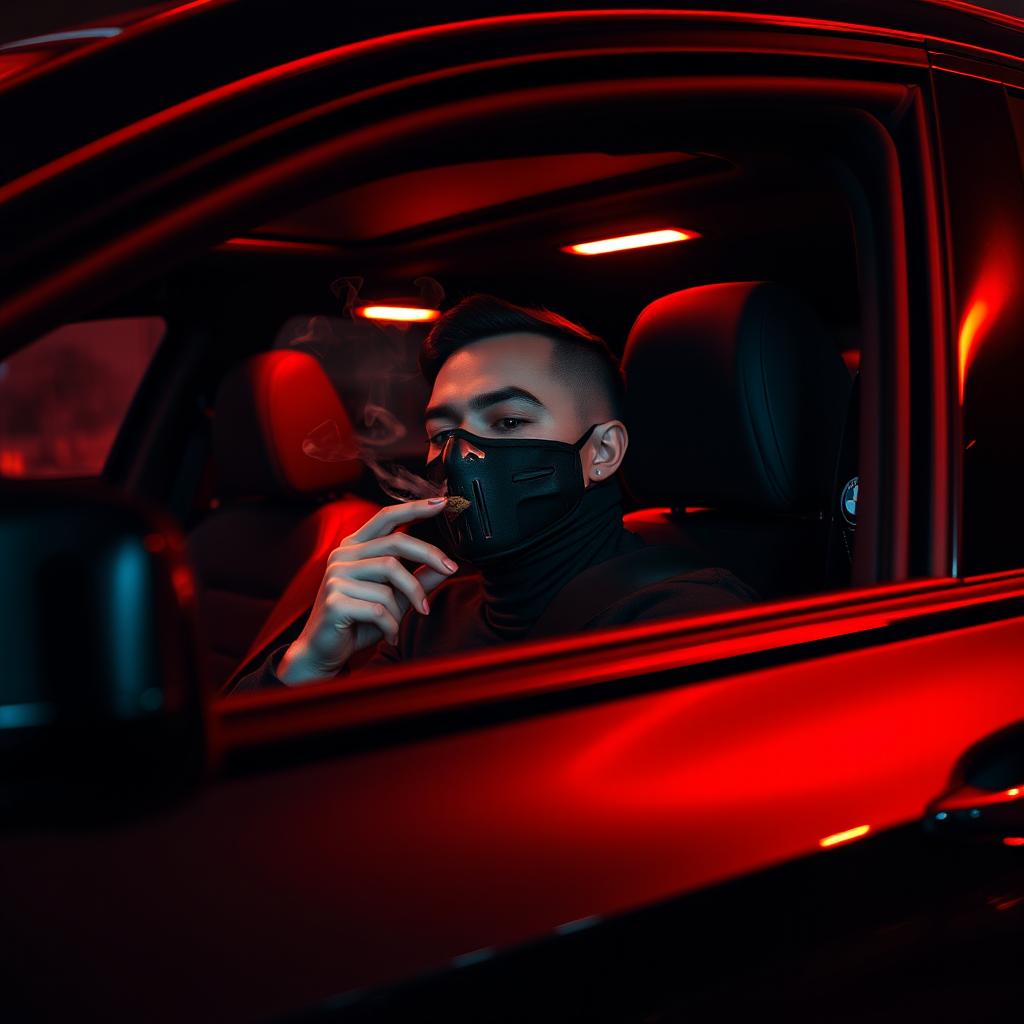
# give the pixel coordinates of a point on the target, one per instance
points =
(200, 218)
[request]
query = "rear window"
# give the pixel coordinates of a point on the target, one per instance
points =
(64, 397)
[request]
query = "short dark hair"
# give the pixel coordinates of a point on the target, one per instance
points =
(580, 357)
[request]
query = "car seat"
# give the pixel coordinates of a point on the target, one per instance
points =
(736, 399)
(280, 510)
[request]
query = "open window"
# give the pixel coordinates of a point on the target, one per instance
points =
(778, 196)
(790, 182)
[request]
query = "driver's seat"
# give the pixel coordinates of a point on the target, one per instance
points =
(736, 399)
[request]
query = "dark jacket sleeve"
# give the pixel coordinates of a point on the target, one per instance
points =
(706, 590)
(453, 605)
(266, 678)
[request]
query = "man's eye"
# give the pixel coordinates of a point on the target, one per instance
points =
(508, 423)
(440, 437)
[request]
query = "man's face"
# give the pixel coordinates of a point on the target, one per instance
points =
(503, 387)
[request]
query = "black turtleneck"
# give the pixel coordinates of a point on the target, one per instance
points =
(517, 588)
(507, 596)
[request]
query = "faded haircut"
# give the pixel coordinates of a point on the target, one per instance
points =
(583, 360)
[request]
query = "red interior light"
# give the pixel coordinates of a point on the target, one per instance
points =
(664, 236)
(405, 314)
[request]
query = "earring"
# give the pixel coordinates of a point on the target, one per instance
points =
(597, 472)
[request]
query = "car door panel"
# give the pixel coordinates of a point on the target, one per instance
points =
(362, 869)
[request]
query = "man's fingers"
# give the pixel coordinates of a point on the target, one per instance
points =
(348, 611)
(379, 593)
(430, 579)
(389, 570)
(387, 519)
(402, 546)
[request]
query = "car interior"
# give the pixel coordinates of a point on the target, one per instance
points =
(275, 417)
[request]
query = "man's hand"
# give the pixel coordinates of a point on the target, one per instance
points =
(366, 591)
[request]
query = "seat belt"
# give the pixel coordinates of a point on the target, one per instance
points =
(584, 597)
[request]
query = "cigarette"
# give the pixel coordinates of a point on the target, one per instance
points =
(456, 506)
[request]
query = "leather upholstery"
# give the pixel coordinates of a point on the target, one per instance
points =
(735, 405)
(266, 407)
(275, 522)
(736, 400)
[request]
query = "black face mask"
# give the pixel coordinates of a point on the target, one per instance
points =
(516, 489)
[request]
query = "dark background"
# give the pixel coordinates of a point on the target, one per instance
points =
(22, 18)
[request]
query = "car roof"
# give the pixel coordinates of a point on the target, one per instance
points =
(81, 86)
(57, 98)
(985, 26)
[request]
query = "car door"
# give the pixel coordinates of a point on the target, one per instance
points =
(620, 824)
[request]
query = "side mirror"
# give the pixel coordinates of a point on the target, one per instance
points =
(102, 708)
(985, 798)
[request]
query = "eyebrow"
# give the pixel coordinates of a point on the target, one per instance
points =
(480, 402)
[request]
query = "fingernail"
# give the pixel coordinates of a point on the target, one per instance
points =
(449, 565)
(425, 607)
(436, 501)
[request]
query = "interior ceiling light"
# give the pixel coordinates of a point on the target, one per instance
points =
(664, 236)
(405, 314)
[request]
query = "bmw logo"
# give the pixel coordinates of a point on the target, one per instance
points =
(848, 501)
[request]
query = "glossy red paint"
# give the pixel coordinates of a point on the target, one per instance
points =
(566, 663)
(12, 64)
(408, 856)
(178, 10)
(980, 11)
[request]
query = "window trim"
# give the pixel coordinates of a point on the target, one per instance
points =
(214, 215)
(449, 694)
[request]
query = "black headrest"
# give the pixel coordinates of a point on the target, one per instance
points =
(735, 399)
(266, 407)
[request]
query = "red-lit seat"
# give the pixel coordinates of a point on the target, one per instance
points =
(280, 510)
(736, 404)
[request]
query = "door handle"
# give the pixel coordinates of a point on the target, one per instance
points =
(985, 798)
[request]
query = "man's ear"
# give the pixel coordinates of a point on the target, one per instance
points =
(604, 452)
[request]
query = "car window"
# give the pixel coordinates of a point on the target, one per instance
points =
(64, 397)
(756, 238)
(670, 303)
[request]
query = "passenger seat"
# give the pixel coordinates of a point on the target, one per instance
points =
(736, 399)
(280, 513)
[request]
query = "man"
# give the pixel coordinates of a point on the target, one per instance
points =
(525, 433)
